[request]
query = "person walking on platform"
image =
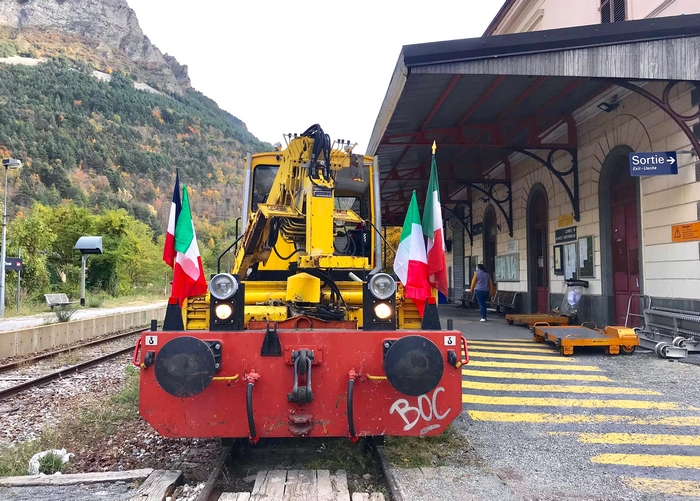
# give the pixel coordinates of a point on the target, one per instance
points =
(482, 285)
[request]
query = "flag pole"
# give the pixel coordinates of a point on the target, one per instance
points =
(432, 287)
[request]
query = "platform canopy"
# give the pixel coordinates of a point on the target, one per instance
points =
(484, 99)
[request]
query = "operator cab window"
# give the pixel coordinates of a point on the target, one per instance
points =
(263, 177)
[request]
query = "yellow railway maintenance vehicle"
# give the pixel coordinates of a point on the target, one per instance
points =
(305, 321)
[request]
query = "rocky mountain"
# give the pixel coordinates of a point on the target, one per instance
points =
(101, 119)
(107, 30)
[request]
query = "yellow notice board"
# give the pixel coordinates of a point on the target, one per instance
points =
(565, 220)
(685, 232)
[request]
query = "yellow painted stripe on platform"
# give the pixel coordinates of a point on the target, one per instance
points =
(663, 486)
(514, 356)
(542, 417)
(517, 349)
(639, 439)
(517, 365)
(649, 460)
(556, 388)
(533, 375)
(468, 398)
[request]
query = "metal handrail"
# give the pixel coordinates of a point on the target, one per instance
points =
(676, 310)
(642, 297)
(218, 261)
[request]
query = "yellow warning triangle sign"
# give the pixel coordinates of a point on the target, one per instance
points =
(677, 233)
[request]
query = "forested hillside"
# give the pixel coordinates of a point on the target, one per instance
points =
(109, 145)
(103, 155)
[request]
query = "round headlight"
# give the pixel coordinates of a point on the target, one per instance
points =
(382, 311)
(223, 311)
(223, 286)
(382, 286)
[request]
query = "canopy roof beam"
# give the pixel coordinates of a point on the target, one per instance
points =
(665, 104)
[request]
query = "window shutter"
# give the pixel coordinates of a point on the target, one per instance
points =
(619, 13)
(605, 11)
(612, 11)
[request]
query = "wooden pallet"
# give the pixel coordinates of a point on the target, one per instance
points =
(300, 485)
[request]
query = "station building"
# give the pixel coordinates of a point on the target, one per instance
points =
(537, 124)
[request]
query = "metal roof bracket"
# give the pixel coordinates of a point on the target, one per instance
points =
(571, 189)
(465, 220)
(488, 188)
(665, 104)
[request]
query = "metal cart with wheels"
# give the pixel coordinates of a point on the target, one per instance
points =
(615, 339)
(563, 315)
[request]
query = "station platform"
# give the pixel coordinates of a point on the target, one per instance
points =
(16, 323)
(466, 320)
(615, 427)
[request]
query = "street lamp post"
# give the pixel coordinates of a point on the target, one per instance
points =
(8, 163)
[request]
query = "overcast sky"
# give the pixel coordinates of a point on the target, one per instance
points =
(281, 66)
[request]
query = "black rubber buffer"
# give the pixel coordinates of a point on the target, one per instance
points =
(185, 366)
(414, 365)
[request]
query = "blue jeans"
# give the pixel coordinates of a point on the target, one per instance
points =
(482, 297)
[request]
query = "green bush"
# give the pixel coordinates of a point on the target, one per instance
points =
(64, 315)
(95, 300)
(7, 49)
(51, 463)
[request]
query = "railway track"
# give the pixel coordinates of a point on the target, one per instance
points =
(73, 369)
(311, 478)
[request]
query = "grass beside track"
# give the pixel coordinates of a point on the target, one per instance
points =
(414, 452)
(100, 420)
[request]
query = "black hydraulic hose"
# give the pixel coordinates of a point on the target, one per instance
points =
(249, 408)
(351, 418)
(328, 280)
(274, 248)
(322, 144)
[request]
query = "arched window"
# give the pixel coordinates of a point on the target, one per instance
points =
(612, 11)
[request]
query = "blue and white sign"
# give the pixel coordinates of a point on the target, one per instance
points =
(649, 163)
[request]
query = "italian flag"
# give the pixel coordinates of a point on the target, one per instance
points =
(188, 277)
(432, 229)
(169, 251)
(411, 263)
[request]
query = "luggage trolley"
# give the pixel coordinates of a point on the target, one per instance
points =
(614, 339)
(558, 316)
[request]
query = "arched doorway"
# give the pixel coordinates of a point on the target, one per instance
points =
(619, 222)
(537, 255)
(490, 230)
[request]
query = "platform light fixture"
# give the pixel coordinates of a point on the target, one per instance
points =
(608, 107)
(87, 246)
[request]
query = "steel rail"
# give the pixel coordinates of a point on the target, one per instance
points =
(47, 378)
(206, 493)
(20, 363)
(377, 450)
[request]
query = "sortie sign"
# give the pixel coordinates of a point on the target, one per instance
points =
(653, 164)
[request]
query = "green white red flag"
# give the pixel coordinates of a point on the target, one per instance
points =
(188, 277)
(410, 263)
(433, 231)
(169, 251)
